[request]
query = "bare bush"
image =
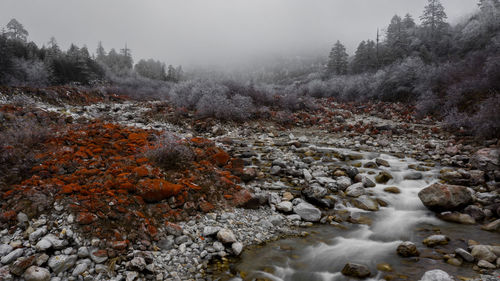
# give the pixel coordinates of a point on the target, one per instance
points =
(19, 140)
(170, 152)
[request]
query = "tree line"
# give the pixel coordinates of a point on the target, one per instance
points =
(22, 62)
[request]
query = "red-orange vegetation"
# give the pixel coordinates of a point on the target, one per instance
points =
(99, 172)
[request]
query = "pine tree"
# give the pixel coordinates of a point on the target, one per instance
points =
(337, 63)
(101, 53)
(16, 31)
(434, 17)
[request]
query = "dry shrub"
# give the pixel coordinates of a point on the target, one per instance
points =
(170, 152)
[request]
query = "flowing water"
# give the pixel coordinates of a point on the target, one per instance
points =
(323, 254)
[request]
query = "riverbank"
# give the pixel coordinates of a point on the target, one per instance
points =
(316, 168)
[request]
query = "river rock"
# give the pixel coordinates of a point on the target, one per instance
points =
(436, 275)
(307, 212)
(79, 269)
(356, 270)
(392, 189)
(275, 170)
(486, 264)
(413, 176)
(210, 230)
(226, 236)
(443, 197)
(12, 256)
(237, 248)
(138, 264)
(61, 263)
(382, 162)
(383, 177)
(5, 249)
(343, 182)
(407, 249)
(483, 252)
(364, 202)
(285, 206)
(486, 159)
(492, 226)
(355, 190)
(457, 217)
(35, 273)
(435, 240)
(314, 193)
(464, 255)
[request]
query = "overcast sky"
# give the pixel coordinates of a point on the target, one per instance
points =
(206, 32)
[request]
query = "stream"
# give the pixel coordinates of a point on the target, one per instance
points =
(322, 254)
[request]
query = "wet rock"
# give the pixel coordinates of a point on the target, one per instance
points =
(483, 252)
(384, 267)
(61, 263)
(407, 249)
(492, 226)
(314, 194)
(366, 203)
(35, 273)
(355, 190)
(356, 270)
(457, 218)
(343, 182)
(392, 189)
(486, 264)
(351, 172)
(475, 212)
(307, 212)
(464, 255)
(226, 236)
(367, 182)
(383, 177)
(435, 240)
(443, 197)
(413, 176)
(454, 261)
(370, 165)
(382, 162)
(285, 206)
(436, 275)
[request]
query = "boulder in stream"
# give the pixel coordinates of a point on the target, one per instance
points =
(356, 270)
(436, 275)
(444, 197)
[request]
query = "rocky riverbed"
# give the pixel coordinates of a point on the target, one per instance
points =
(351, 171)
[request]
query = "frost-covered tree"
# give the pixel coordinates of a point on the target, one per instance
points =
(365, 58)
(397, 39)
(151, 69)
(434, 17)
(337, 63)
(16, 31)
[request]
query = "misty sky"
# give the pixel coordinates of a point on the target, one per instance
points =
(208, 32)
